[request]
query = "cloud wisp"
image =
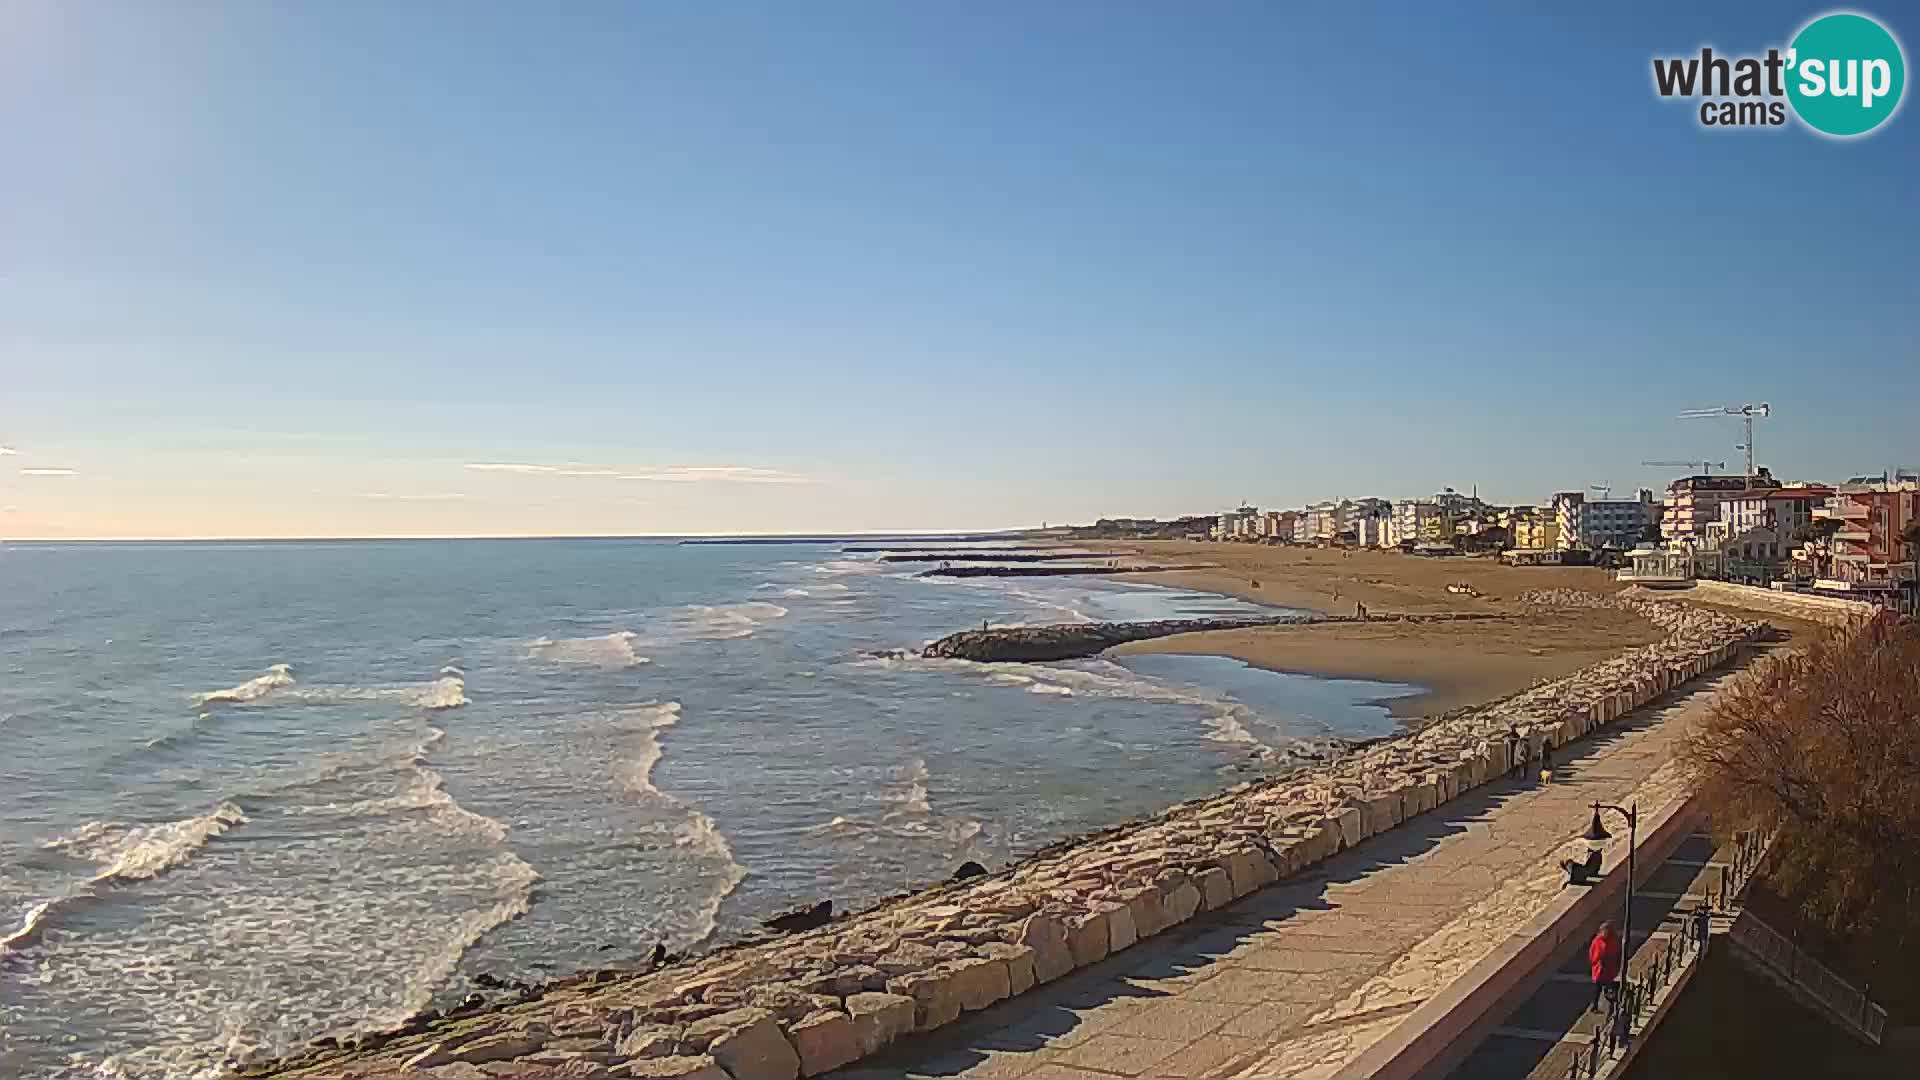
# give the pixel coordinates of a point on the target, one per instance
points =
(670, 474)
(6, 450)
(49, 472)
(404, 496)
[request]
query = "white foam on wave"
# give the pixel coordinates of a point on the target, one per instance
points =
(1226, 722)
(125, 852)
(613, 650)
(913, 799)
(277, 676)
(448, 690)
(839, 567)
(698, 836)
(719, 622)
(911, 816)
(134, 852)
(635, 775)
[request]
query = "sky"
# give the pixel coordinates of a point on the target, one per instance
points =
(465, 268)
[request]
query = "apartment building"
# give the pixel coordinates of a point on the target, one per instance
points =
(1872, 549)
(1693, 501)
(1593, 524)
(1419, 521)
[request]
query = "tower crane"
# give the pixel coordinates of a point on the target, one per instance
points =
(1706, 467)
(1746, 413)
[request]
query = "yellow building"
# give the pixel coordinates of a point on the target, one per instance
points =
(1536, 532)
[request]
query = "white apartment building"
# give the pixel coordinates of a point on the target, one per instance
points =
(1603, 523)
(1370, 530)
(1786, 509)
(1417, 520)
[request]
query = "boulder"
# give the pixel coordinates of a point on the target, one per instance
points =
(690, 1067)
(979, 981)
(1182, 903)
(1019, 962)
(878, 1019)
(803, 918)
(1216, 888)
(936, 1001)
(748, 1044)
(1047, 936)
(1149, 918)
(648, 1042)
(968, 869)
(1120, 929)
(1089, 936)
(825, 1041)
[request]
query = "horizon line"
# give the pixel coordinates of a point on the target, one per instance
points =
(879, 533)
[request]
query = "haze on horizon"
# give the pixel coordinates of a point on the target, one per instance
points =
(435, 269)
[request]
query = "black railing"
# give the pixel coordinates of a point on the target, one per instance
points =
(1684, 945)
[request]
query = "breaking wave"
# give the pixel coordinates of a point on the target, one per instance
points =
(718, 622)
(447, 691)
(608, 650)
(635, 775)
(277, 676)
(1227, 721)
(126, 853)
(698, 836)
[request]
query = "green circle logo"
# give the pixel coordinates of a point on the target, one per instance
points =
(1845, 74)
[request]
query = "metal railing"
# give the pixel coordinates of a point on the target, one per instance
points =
(1848, 1004)
(1639, 994)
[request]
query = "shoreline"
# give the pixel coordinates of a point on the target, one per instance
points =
(1454, 664)
(816, 1001)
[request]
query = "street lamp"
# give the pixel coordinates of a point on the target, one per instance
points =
(1597, 835)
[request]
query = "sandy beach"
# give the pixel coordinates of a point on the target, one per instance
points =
(1460, 663)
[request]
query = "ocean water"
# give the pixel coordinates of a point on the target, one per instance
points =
(253, 794)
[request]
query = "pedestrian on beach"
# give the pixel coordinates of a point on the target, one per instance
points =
(1603, 959)
(1516, 762)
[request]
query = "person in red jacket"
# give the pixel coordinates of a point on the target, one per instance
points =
(1603, 957)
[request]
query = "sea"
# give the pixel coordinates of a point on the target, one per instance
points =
(252, 794)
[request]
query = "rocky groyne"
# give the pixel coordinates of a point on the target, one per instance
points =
(1073, 641)
(989, 557)
(1047, 571)
(814, 1001)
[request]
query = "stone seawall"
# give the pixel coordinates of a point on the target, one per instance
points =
(1073, 641)
(1832, 610)
(806, 1004)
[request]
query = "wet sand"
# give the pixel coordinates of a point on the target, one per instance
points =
(1460, 663)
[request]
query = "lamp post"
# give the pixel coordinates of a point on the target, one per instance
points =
(1597, 834)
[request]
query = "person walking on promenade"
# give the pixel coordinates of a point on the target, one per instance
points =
(1603, 958)
(1516, 764)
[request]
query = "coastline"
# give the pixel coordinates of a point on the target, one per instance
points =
(1456, 664)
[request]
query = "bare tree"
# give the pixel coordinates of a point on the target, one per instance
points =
(1825, 747)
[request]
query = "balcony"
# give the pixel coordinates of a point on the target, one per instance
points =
(1851, 511)
(1859, 536)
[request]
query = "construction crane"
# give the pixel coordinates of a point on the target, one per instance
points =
(1706, 467)
(1746, 413)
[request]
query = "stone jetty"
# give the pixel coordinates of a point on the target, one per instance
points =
(1046, 571)
(1073, 641)
(979, 557)
(810, 1002)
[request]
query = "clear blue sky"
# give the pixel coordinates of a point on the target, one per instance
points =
(291, 268)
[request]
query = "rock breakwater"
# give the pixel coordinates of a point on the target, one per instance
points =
(1073, 641)
(814, 1001)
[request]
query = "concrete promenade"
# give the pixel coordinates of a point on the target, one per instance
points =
(1299, 978)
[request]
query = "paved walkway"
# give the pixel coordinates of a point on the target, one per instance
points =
(1545, 1033)
(1295, 980)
